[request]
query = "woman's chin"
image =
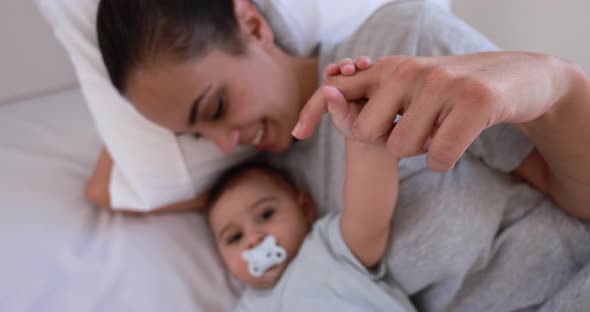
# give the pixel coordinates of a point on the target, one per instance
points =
(278, 150)
(278, 147)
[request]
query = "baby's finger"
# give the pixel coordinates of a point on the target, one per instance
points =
(342, 113)
(331, 70)
(363, 63)
(347, 67)
(358, 86)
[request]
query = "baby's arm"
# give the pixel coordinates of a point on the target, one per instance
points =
(370, 189)
(370, 195)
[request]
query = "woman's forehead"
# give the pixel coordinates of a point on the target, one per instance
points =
(165, 93)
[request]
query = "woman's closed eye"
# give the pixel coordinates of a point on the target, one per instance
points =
(219, 110)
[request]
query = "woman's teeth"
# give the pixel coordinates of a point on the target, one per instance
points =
(259, 135)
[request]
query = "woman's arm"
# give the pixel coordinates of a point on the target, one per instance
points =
(560, 165)
(97, 190)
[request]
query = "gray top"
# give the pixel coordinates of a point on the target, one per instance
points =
(476, 238)
(326, 276)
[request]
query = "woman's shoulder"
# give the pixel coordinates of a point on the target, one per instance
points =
(410, 27)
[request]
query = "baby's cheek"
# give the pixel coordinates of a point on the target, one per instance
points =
(238, 267)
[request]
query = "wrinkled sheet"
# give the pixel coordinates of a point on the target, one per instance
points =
(58, 253)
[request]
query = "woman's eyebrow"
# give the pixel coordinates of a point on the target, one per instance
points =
(194, 112)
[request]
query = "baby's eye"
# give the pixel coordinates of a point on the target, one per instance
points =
(267, 214)
(234, 238)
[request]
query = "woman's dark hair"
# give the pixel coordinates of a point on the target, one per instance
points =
(234, 174)
(132, 32)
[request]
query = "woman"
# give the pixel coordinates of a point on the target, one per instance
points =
(460, 239)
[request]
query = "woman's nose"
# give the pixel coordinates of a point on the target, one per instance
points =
(226, 141)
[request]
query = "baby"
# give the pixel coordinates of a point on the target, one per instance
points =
(267, 235)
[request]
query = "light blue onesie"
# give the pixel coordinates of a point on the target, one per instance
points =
(326, 276)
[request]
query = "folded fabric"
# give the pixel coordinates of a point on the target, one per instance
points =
(152, 167)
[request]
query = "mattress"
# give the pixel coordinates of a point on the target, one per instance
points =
(61, 254)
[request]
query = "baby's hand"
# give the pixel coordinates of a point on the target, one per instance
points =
(342, 112)
(347, 67)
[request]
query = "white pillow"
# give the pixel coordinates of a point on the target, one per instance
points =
(152, 167)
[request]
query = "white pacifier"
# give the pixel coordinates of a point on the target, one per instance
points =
(264, 256)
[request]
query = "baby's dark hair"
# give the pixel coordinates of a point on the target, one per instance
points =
(234, 175)
(133, 32)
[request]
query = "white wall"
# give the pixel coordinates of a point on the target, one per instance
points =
(31, 60)
(558, 27)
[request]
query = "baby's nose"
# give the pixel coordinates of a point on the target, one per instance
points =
(254, 239)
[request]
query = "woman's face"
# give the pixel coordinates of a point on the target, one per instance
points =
(254, 98)
(251, 99)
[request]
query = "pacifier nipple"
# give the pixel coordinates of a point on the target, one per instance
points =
(264, 256)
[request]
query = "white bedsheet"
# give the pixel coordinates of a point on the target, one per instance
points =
(60, 254)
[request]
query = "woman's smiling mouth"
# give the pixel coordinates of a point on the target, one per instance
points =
(259, 139)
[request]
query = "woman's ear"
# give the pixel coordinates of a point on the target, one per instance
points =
(308, 206)
(252, 24)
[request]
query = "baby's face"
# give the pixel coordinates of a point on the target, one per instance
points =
(256, 206)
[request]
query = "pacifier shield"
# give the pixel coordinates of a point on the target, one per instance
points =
(264, 256)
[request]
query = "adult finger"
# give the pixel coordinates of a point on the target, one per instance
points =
(353, 88)
(359, 86)
(458, 130)
(376, 119)
(310, 116)
(413, 130)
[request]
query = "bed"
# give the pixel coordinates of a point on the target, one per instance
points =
(61, 254)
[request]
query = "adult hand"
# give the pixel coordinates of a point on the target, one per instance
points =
(445, 102)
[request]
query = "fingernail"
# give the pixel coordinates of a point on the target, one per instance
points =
(296, 131)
